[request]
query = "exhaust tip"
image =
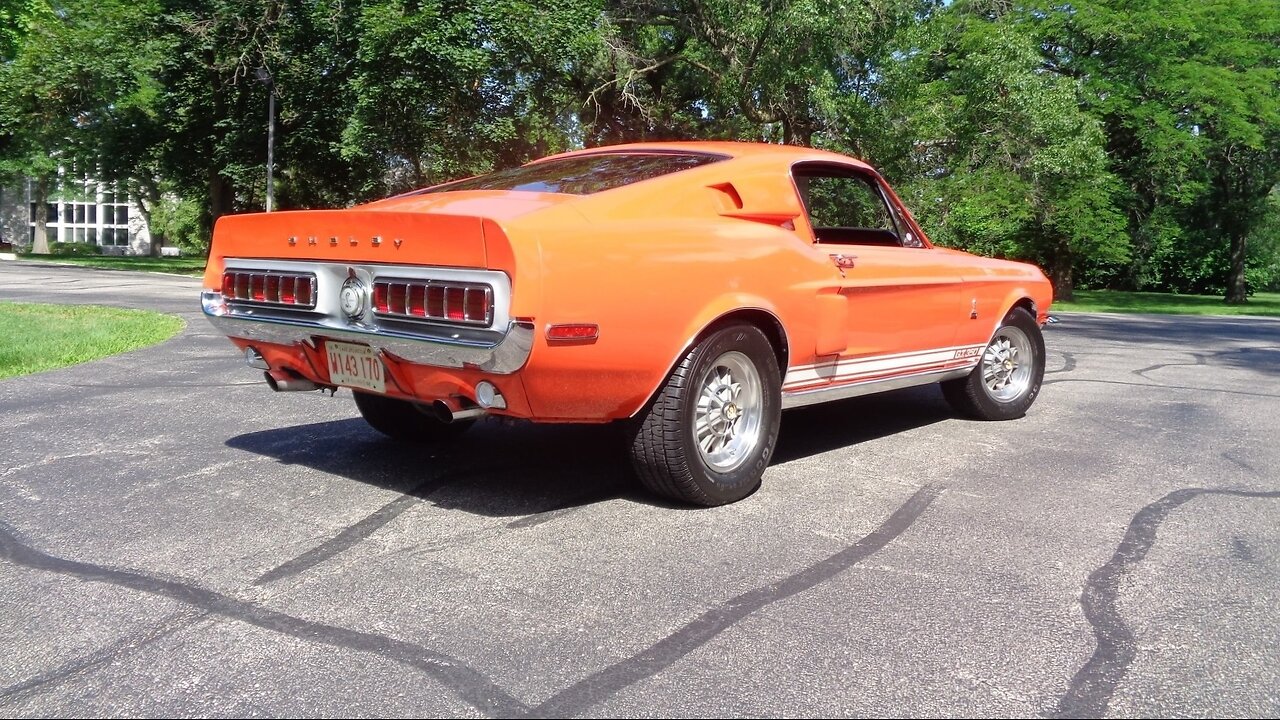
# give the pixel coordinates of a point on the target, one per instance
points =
(450, 410)
(282, 381)
(444, 413)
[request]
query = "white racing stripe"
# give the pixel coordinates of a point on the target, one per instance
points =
(882, 365)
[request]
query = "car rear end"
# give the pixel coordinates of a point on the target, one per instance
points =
(411, 305)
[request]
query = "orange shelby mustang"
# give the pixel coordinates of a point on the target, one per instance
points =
(695, 289)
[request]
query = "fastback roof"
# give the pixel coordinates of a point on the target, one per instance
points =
(721, 147)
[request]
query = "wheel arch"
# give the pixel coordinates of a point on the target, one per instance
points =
(756, 315)
(1026, 303)
(767, 322)
(1017, 298)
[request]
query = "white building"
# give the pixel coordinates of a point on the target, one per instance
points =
(84, 212)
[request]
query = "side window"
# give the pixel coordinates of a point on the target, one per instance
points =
(846, 209)
(846, 202)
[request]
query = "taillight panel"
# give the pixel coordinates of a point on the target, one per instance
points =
(469, 305)
(433, 301)
(275, 289)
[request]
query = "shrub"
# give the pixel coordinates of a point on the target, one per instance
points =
(78, 249)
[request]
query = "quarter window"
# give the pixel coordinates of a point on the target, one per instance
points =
(845, 207)
(845, 202)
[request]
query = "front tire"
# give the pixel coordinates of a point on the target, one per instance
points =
(707, 436)
(404, 420)
(1009, 372)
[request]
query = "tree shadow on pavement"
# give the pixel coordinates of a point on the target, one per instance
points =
(1235, 342)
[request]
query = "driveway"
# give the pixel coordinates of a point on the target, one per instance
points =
(177, 540)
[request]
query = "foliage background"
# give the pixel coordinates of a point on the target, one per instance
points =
(1129, 144)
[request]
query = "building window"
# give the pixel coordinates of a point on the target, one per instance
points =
(82, 220)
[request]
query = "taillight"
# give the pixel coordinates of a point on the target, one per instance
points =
(270, 288)
(455, 301)
(463, 303)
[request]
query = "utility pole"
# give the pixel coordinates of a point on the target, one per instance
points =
(264, 76)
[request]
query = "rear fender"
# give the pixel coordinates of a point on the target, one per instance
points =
(712, 314)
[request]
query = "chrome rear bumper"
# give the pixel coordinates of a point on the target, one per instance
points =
(503, 357)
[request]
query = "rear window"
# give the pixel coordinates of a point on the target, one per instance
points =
(583, 174)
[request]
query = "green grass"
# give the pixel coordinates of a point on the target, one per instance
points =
(34, 337)
(177, 265)
(1116, 301)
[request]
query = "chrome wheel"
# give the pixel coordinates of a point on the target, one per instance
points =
(1007, 365)
(727, 419)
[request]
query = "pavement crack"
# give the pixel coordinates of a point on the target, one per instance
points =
(663, 654)
(565, 507)
(1142, 372)
(340, 543)
(120, 648)
(1068, 363)
(467, 683)
(1093, 685)
(356, 533)
(1246, 465)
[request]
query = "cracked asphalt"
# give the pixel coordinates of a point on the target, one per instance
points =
(177, 540)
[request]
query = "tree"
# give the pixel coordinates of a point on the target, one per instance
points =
(445, 89)
(763, 69)
(1189, 94)
(16, 20)
(1000, 159)
(75, 72)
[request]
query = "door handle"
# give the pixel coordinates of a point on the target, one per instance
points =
(844, 262)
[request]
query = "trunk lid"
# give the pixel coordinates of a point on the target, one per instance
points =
(364, 236)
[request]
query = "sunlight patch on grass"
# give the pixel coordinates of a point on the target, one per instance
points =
(177, 265)
(34, 338)
(1116, 301)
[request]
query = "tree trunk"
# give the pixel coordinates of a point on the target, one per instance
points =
(1236, 290)
(146, 202)
(1060, 273)
(1233, 207)
(39, 198)
(221, 196)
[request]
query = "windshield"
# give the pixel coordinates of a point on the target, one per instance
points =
(582, 174)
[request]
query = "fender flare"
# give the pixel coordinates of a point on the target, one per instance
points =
(712, 313)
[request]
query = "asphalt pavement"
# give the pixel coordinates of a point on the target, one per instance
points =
(177, 540)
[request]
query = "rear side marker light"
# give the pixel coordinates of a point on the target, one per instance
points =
(578, 331)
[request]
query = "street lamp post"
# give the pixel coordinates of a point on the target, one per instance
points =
(264, 76)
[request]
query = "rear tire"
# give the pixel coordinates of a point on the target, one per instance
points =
(1009, 372)
(406, 421)
(708, 435)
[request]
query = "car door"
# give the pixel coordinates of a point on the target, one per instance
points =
(903, 297)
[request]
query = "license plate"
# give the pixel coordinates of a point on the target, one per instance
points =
(355, 366)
